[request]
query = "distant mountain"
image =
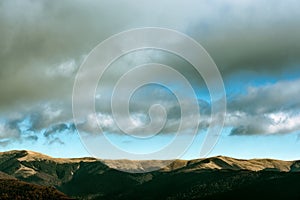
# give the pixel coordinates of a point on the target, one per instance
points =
(209, 178)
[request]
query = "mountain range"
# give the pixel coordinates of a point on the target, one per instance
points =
(90, 178)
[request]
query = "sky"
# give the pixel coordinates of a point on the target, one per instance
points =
(254, 43)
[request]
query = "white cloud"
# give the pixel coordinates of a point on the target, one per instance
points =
(283, 123)
(269, 109)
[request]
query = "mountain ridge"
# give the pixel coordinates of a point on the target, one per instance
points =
(217, 162)
(206, 178)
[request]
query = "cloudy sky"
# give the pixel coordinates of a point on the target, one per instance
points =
(255, 44)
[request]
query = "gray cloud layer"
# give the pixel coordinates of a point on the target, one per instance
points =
(240, 35)
(270, 109)
(44, 42)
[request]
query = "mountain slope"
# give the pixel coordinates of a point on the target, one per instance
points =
(11, 188)
(15, 189)
(208, 178)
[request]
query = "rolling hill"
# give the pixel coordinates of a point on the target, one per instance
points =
(208, 178)
(12, 188)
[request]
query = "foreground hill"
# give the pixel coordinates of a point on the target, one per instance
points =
(209, 178)
(11, 188)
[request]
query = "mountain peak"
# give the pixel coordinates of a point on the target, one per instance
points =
(25, 155)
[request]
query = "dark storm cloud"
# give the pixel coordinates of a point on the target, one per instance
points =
(239, 35)
(57, 128)
(54, 132)
(256, 36)
(36, 44)
(46, 120)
